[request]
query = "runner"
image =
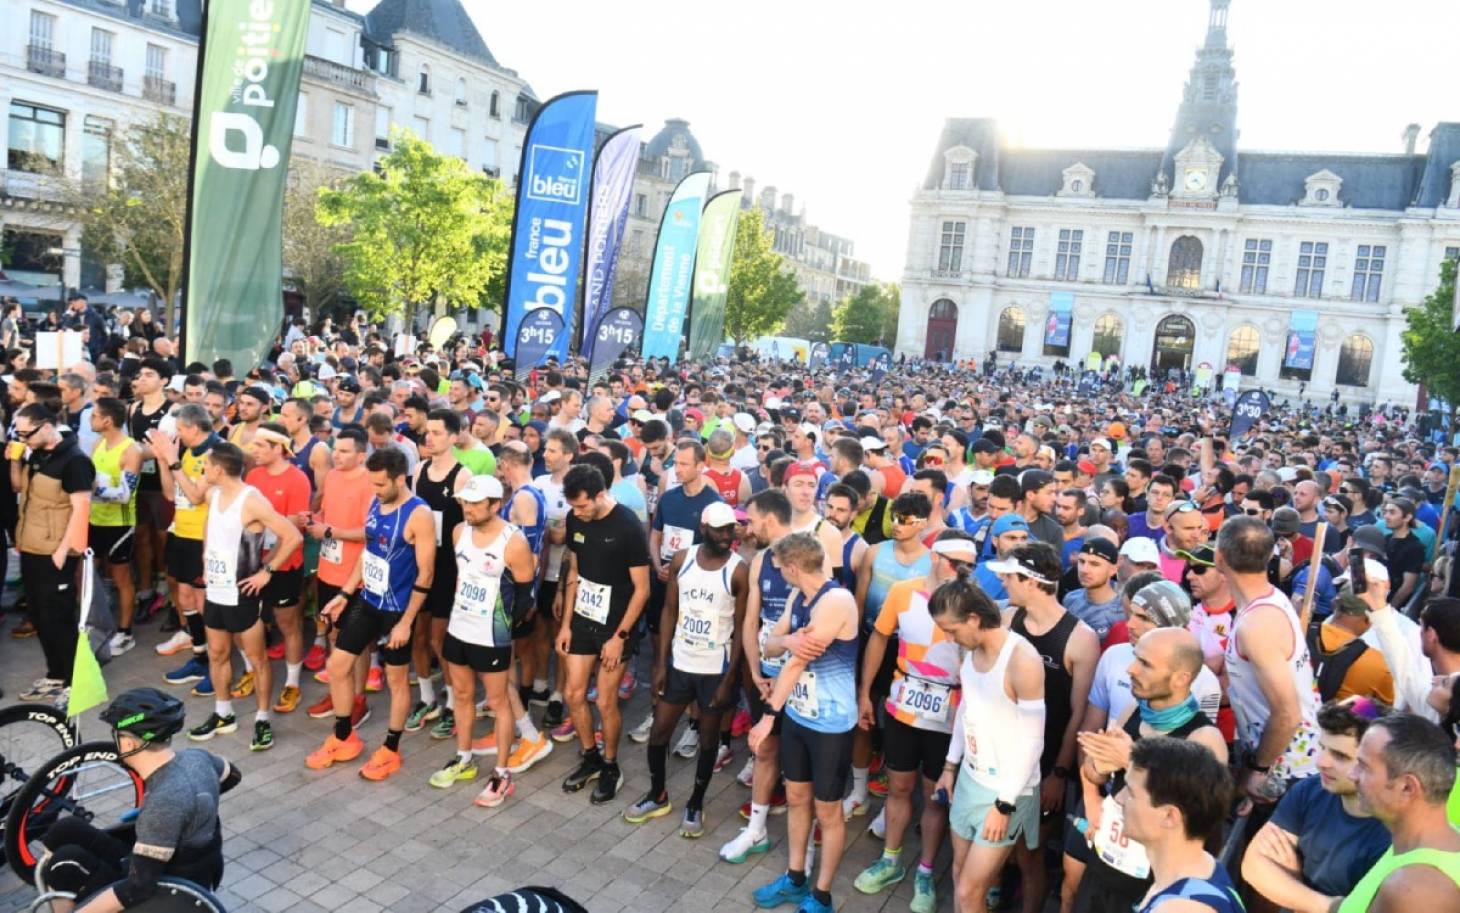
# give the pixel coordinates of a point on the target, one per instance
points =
(184, 486)
(384, 593)
(154, 510)
(113, 534)
(732, 484)
(842, 501)
(557, 456)
(253, 405)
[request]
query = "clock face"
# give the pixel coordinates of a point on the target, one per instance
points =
(1196, 180)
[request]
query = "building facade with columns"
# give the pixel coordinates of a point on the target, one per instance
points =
(1292, 268)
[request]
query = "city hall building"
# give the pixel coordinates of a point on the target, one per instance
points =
(1293, 268)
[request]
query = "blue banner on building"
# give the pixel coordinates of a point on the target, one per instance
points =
(1302, 336)
(1057, 327)
(674, 268)
(613, 179)
(552, 204)
(538, 336)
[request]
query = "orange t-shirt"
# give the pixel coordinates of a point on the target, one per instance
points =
(288, 492)
(344, 504)
(923, 652)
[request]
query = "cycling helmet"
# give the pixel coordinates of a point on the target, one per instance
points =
(146, 713)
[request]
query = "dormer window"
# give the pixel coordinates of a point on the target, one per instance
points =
(1078, 181)
(958, 168)
(1322, 189)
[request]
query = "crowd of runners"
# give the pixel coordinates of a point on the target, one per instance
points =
(1106, 652)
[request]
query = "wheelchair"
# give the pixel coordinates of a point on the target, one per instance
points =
(174, 895)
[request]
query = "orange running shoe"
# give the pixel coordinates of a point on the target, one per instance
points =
(485, 745)
(335, 751)
(381, 764)
(288, 699)
(528, 752)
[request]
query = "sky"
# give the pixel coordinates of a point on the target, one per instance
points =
(841, 104)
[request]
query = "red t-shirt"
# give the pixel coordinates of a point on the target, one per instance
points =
(288, 492)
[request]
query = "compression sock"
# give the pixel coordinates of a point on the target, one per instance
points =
(657, 756)
(725, 738)
(428, 690)
(392, 739)
(291, 674)
(704, 769)
(342, 727)
(859, 784)
(197, 632)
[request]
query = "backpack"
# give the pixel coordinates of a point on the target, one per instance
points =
(1330, 668)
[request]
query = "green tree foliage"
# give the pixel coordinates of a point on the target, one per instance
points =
(810, 321)
(426, 230)
(869, 316)
(762, 290)
(1431, 345)
(313, 264)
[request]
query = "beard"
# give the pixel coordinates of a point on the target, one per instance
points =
(717, 547)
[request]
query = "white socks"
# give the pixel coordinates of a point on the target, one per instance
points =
(291, 674)
(223, 708)
(525, 729)
(758, 815)
(428, 690)
(859, 784)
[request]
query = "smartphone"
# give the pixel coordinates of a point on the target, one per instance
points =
(1358, 575)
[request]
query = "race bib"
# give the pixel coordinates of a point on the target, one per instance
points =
(438, 518)
(675, 538)
(1116, 849)
(149, 467)
(700, 640)
(476, 595)
(593, 600)
(803, 696)
(925, 700)
(332, 550)
(270, 540)
(219, 572)
(377, 574)
(770, 665)
(180, 498)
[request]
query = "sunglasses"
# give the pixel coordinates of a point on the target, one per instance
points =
(933, 461)
(1182, 507)
(907, 519)
(765, 448)
(1252, 511)
(27, 435)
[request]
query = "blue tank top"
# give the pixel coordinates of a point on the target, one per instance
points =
(1216, 892)
(774, 590)
(834, 673)
(887, 570)
(301, 460)
(846, 575)
(385, 539)
(533, 533)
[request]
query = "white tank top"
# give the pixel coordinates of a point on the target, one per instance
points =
(477, 614)
(706, 622)
(230, 553)
(989, 715)
(1244, 692)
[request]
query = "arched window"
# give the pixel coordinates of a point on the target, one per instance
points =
(943, 309)
(1183, 270)
(461, 91)
(495, 107)
(1011, 330)
(942, 330)
(1108, 333)
(1242, 348)
(1354, 360)
(425, 83)
(1175, 341)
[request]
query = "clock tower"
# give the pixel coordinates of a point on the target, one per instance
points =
(1208, 113)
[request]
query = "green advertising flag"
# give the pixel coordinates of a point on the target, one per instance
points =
(88, 688)
(712, 274)
(243, 123)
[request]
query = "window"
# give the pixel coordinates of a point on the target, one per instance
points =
(37, 138)
(161, 8)
(382, 128)
(1321, 194)
(101, 46)
(1107, 336)
(1354, 360)
(42, 30)
(1011, 330)
(1242, 350)
(958, 174)
(519, 113)
(950, 250)
(334, 47)
(1021, 252)
(1183, 269)
(422, 126)
(1368, 273)
(1452, 253)
(456, 142)
(1117, 257)
(1312, 262)
(156, 62)
(461, 91)
(343, 132)
(1256, 258)
(1067, 257)
(494, 108)
(424, 84)
(489, 157)
(641, 205)
(96, 140)
(301, 116)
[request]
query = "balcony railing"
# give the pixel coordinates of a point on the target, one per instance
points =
(45, 61)
(103, 75)
(155, 88)
(339, 74)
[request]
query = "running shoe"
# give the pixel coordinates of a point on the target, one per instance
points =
(484, 710)
(651, 806)
(640, 733)
(590, 765)
(322, 708)
(178, 642)
(689, 742)
(381, 764)
(417, 717)
(322, 676)
(553, 716)
(528, 752)
(445, 727)
(852, 806)
(781, 891)
(809, 904)
(360, 712)
(26, 629)
(203, 688)
(627, 684)
(877, 784)
(263, 736)
(744, 845)
(592, 695)
(335, 751)
(120, 643)
(456, 770)
(314, 659)
(213, 725)
(778, 804)
(610, 781)
(740, 723)
(243, 688)
(194, 670)
(485, 745)
(723, 757)
(276, 652)
(747, 773)
(880, 875)
(499, 787)
(43, 689)
(564, 731)
(925, 896)
(692, 824)
(375, 680)
(288, 699)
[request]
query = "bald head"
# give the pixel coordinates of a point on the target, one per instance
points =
(1173, 649)
(1102, 531)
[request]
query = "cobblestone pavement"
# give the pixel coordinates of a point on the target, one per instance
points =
(299, 840)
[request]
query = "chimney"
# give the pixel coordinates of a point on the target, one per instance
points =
(786, 204)
(734, 180)
(1411, 138)
(749, 195)
(768, 198)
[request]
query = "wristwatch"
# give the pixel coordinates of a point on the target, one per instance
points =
(175, 466)
(622, 635)
(1004, 808)
(1063, 773)
(329, 532)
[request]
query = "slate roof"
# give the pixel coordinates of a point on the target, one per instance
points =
(1369, 181)
(1121, 174)
(659, 145)
(189, 15)
(442, 21)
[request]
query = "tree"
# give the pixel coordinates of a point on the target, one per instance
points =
(762, 292)
(810, 320)
(869, 316)
(426, 229)
(312, 261)
(138, 219)
(1431, 345)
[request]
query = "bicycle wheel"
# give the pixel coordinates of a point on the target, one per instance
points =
(30, 735)
(89, 781)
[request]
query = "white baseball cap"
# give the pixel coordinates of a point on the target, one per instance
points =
(957, 549)
(717, 513)
(1101, 442)
(744, 422)
(982, 477)
(810, 430)
(773, 402)
(480, 488)
(551, 396)
(873, 443)
(1140, 550)
(642, 416)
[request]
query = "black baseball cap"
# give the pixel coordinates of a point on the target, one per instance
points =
(1099, 545)
(348, 384)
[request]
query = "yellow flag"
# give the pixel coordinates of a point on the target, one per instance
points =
(88, 688)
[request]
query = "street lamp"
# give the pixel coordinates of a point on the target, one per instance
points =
(63, 253)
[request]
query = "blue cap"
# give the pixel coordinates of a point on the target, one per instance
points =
(1008, 523)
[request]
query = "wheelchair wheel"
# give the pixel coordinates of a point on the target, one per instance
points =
(174, 895)
(88, 781)
(30, 735)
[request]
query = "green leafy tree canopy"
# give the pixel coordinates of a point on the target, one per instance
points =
(869, 316)
(762, 290)
(1431, 345)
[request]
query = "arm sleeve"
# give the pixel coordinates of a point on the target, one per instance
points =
(141, 881)
(120, 493)
(1024, 747)
(958, 742)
